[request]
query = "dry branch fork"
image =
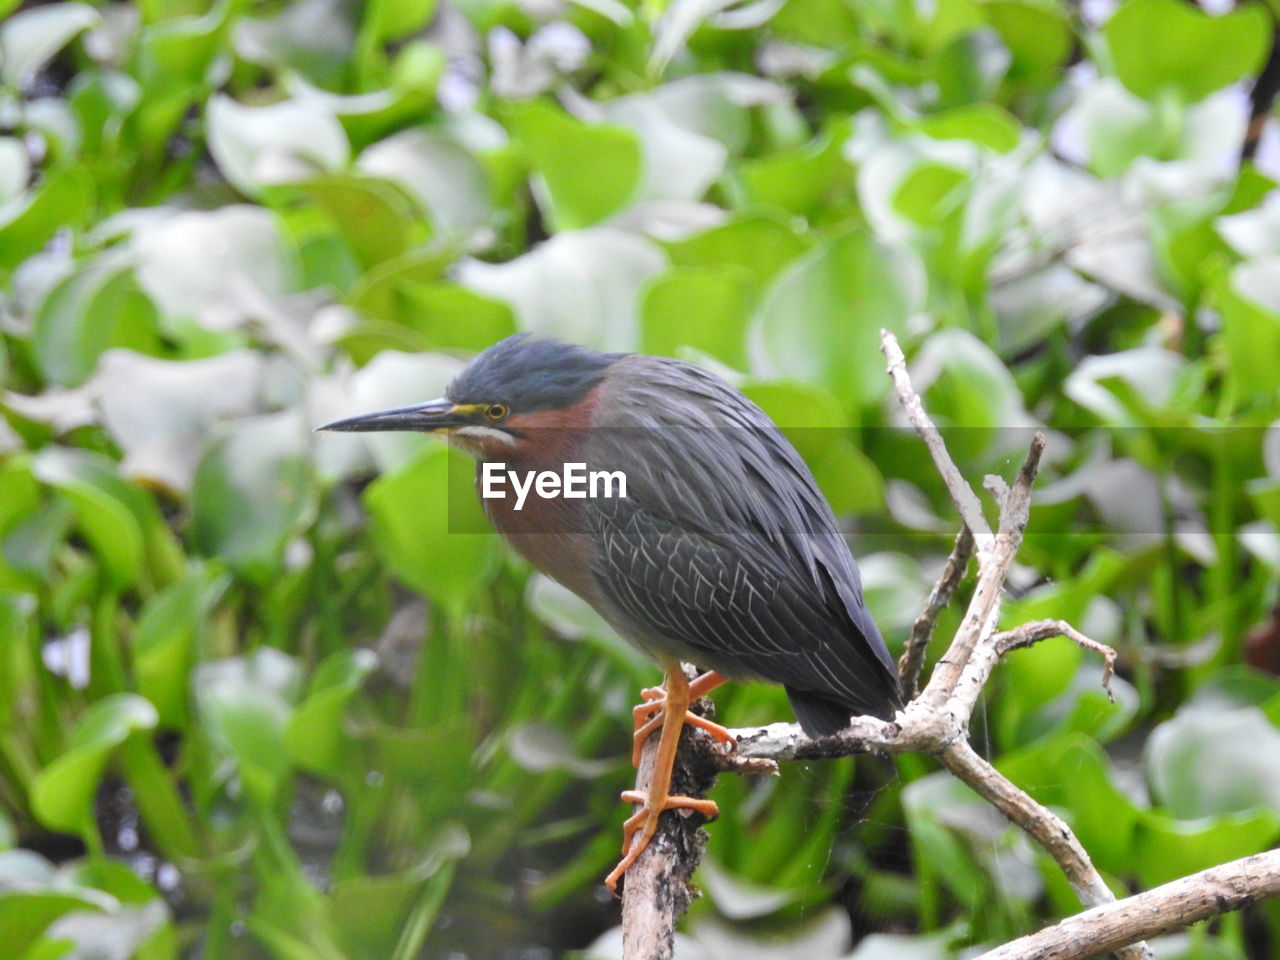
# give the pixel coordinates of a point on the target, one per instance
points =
(658, 887)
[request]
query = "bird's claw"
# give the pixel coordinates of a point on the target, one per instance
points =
(645, 822)
(649, 716)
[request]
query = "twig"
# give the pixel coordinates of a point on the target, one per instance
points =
(912, 659)
(1041, 823)
(962, 494)
(1180, 903)
(1032, 633)
(984, 605)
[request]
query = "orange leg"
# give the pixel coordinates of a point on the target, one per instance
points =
(643, 824)
(651, 714)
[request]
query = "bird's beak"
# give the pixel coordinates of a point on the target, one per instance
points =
(420, 417)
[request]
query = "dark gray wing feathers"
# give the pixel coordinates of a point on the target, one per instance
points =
(724, 548)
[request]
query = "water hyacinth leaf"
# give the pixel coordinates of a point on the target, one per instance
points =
(314, 735)
(64, 199)
(1102, 816)
(245, 704)
(161, 413)
(928, 193)
(394, 19)
(431, 529)
(1166, 849)
(189, 262)
(164, 645)
(30, 38)
(1249, 303)
(438, 171)
(375, 218)
(451, 317)
(580, 286)
(26, 914)
(983, 123)
(15, 169)
(19, 500)
(252, 493)
(820, 319)
(367, 117)
(311, 38)
(1197, 53)
(806, 181)
(589, 171)
(706, 308)
(62, 793)
(285, 142)
(93, 309)
(179, 53)
(759, 244)
(110, 512)
(1038, 36)
(1204, 763)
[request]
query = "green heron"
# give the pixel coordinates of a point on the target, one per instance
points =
(722, 552)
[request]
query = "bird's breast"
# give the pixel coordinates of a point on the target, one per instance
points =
(547, 532)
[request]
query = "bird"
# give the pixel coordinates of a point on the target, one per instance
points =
(718, 549)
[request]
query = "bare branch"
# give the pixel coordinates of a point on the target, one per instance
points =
(658, 888)
(1032, 633)
(912, 660)
(1042, 824)
(1178, 904)
(962, 494)
(993, 569)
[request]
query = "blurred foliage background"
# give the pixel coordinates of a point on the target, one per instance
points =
(256, 700)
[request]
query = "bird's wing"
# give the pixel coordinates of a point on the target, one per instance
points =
(723, 545)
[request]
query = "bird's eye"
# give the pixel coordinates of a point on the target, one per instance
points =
(497, 411)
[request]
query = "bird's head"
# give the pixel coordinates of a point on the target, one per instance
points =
(514, 388)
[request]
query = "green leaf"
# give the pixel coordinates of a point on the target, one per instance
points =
(589, 171)
(430, 527)
(820, 320)
(85, 314)
(758, 243)
(285, 142)
(62, 793)
(806, 181)
(705, 308)
(983, 123)
(376, 219)
(164, 645)
(314, 735)
(452, 317)
(108, 509)
(1248, 299)
(1166, 849)
(1102, 816)
(245, 704)
(25, 915)
(928, 193)
(63, 200)
(1196, 53)
(253, 492)
(1209, 762)
(1037, 35)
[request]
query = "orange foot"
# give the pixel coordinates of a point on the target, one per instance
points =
(651, 714)
(667, 708)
